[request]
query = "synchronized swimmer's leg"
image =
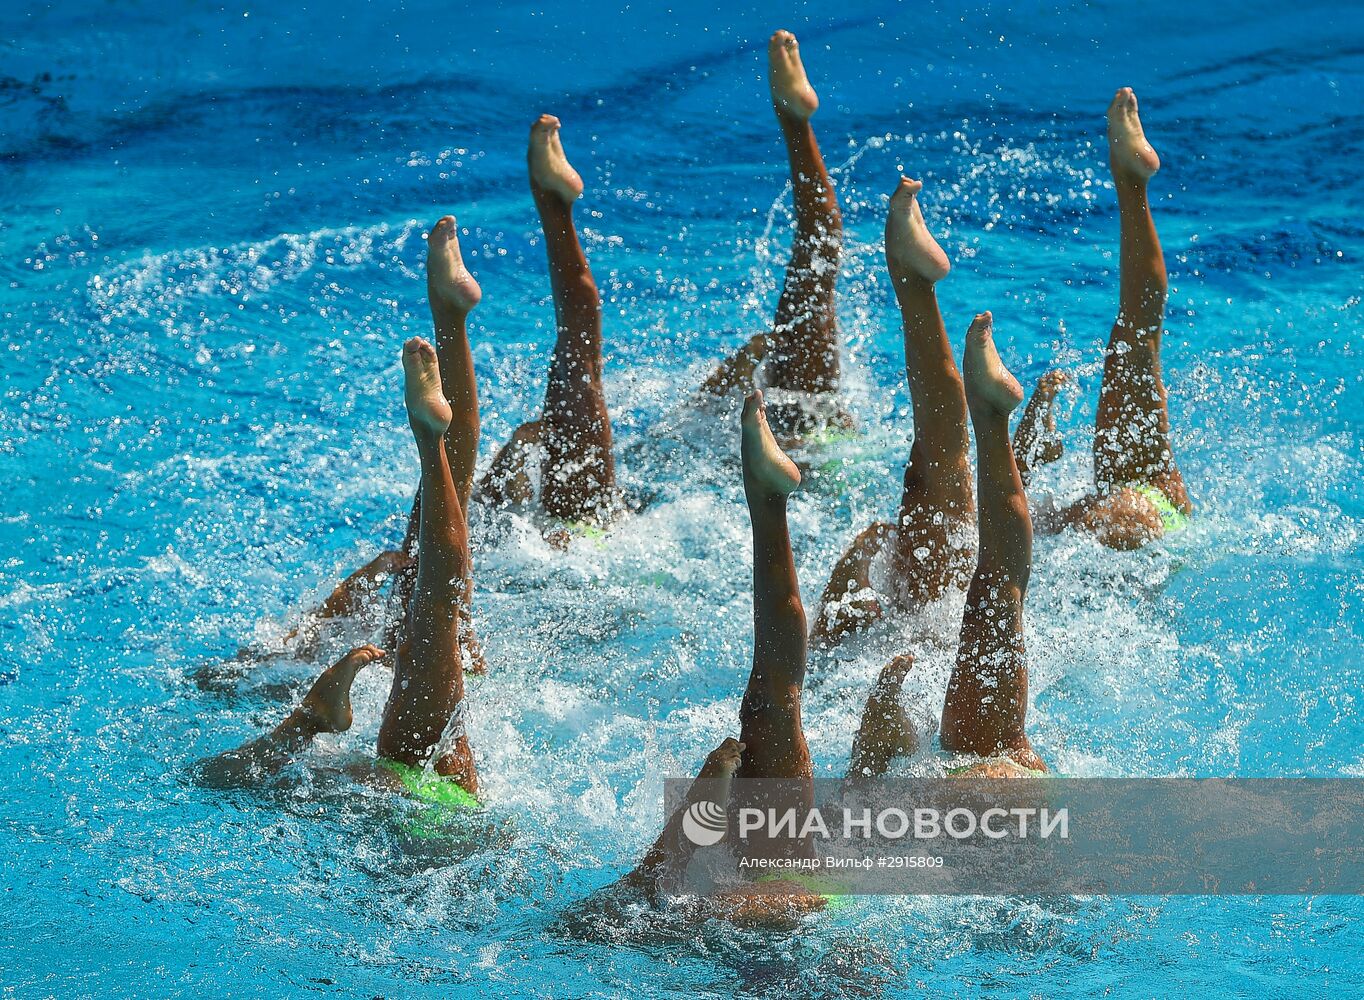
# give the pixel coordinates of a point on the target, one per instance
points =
(324, 709)
(886, 731)
(803, 353)
(1036, 442)
(987, 695)
(672, 850)
(771, 751)
(452, 294)
(932, 548)
(1132, 451)
(428, 677)
(802, 350)
(770, 723)
(508, 479)
(850, 600)
(1132, 427)
(578, 471)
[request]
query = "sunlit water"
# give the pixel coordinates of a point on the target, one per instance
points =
(211, 224)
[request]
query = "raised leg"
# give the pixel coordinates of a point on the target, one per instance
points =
(1132, 425)
(578, 472)
(933, 545)
(324, 709)
(452, 293)
(770, 723)
(508, 481)
(886, 731)
(1036, 442)
(803, 349)
(672, 850)
(987, 695)
(849, 601)
(422, 714)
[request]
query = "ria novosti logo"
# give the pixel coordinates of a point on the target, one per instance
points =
(704, 823)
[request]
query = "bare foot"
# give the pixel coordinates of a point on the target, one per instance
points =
(427, 408)
(886, 731)
(988, 382)
(736, 371)
(447, 279)
(765, 464)
(1036, 442)
(1129, 154)
(791, 91)
(1050, 384)
(724, 760)
(549, 168)
(327, 703)
(910, 248)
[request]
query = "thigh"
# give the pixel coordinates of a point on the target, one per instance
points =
(934, 551)
(986, 694)
(427, 684)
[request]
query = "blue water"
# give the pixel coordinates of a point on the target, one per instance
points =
(210, 253)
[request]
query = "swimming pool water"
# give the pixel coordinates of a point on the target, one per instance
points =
(210, 253)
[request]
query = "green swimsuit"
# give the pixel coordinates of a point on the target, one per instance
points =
(1171, 516)
(444, 798)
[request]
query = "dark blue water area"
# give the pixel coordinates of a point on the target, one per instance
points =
(210, 254)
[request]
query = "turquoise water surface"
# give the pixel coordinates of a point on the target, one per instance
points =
(210, 254)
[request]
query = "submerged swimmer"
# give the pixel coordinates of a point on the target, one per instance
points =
(800, 353)
(1139, 491)
(422, 734)
(986, 706)
(771, 746)
(573, 435)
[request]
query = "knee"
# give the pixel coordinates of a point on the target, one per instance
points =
(765, 701)
(580, 289)
(792, 612)
(393, 562)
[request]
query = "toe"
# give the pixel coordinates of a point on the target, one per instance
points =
(899, 667)
(442, 228)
